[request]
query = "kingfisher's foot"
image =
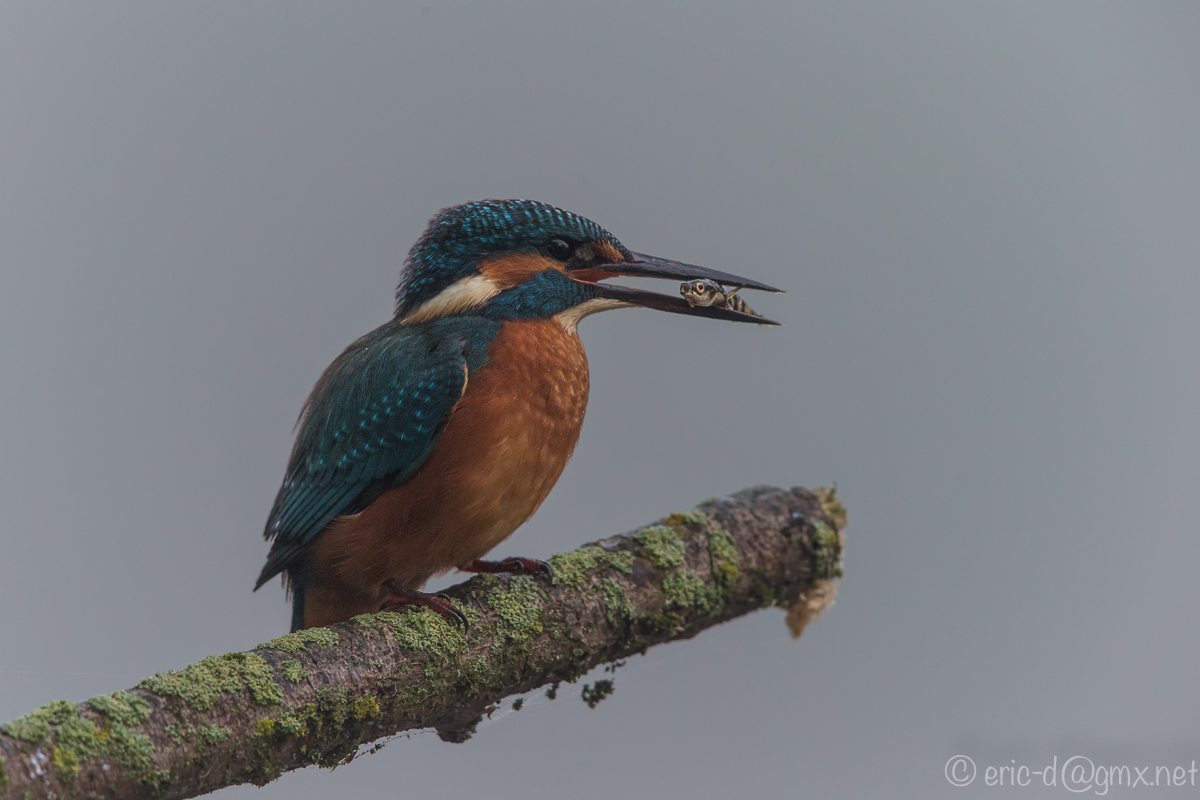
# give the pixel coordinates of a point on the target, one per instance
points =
(411, 597)
(517, 566)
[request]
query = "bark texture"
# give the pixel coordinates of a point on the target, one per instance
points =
(314, 697)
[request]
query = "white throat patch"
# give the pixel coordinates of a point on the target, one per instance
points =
(570, 318)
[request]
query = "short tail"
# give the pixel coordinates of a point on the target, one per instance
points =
(297, 608)
(295, 584)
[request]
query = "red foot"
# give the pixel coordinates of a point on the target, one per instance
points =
(517, 566)
(438, 602)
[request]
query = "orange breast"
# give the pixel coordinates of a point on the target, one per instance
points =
(505, 445)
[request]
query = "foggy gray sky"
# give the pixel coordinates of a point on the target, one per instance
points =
(987, 217)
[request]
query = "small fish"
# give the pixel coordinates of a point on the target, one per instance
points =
(705, 292)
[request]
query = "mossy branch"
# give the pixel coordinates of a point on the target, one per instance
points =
(314, 697)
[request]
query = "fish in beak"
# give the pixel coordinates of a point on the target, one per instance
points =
(644, 266)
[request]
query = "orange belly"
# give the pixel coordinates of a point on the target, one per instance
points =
(504, 446)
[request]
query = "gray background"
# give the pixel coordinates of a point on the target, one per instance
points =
(988, 218)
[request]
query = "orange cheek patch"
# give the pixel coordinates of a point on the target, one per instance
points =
(609, 253)
(515, 268)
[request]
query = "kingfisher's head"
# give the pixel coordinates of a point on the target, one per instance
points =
(520, 259)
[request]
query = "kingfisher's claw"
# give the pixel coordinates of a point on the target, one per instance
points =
(515, 566)
(439, 602)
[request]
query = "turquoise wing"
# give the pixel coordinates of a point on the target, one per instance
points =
(369, 424)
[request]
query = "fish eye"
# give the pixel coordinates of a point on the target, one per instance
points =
(559, 249)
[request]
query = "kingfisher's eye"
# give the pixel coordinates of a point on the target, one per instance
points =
(559, 249)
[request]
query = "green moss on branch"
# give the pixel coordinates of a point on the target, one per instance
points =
(295, 642)
(661, 546)
(313, 697)
(200, 685)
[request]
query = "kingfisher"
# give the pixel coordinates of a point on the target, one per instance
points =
(433, 437)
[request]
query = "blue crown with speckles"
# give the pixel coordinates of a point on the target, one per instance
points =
(459, 236)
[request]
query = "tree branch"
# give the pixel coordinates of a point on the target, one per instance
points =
(313, 697)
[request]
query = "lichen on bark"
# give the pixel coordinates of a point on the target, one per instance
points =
(316, 696)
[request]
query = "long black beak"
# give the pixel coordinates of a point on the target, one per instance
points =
(653, 267)
(644, 266)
